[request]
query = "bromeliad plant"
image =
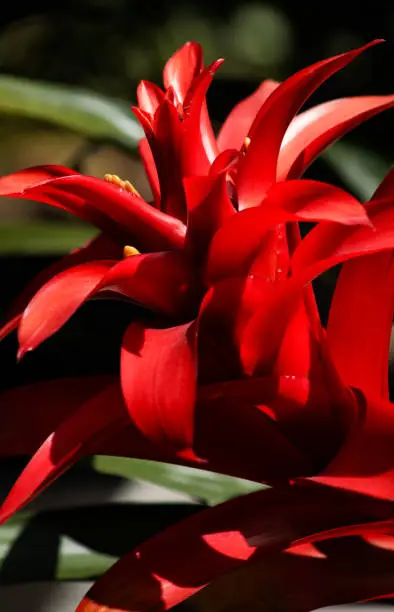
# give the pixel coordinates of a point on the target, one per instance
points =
(236, 373)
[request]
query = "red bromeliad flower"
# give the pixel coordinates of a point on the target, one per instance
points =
(257, 387)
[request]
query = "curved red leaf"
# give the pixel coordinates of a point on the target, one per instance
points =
(117, 211)
(214, 542)
(317, 128)
(150, 358)
(237, 124)
(56, 301)
(258, 169)
(100, 247)
(93, 421)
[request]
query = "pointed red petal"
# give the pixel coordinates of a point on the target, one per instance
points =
(209, 206)
(96, 419)
(150, 169)
(30, 413)
(258, 169)
(150, 358)
(166, 150)
(56, 301)
(178, 562)
(317, 128)
(196, 156)
(149, 97)
(182, 68)
(100, 247)
(121, 213)
(237, 124)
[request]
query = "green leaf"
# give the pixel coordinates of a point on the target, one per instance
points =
(85, 112)
(211, 487)
(360, 169)
(43, 237)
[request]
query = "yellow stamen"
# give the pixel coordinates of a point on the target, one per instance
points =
(246, 143)
(129, 251)
(126, 185)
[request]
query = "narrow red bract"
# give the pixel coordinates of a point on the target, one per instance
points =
(237, 373)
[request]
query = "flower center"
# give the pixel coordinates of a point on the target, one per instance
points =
(129, 251)
(116, 180)
(245, 145)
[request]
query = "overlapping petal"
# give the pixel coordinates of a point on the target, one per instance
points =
(118, 212)
(317, 128)
(159, 281)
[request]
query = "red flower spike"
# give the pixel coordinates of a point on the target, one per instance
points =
(258, 169)
(261, 373)
(238, 123)
(149, 359)
(317, 128)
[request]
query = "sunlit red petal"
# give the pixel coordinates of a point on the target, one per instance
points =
(182, 68)
(317, 128)
(258, 168)
(149, 97)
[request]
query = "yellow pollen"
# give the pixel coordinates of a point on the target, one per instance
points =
(116, 180)
(129, 251)
(246, 143)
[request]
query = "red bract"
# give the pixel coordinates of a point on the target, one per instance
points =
(237, 374)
